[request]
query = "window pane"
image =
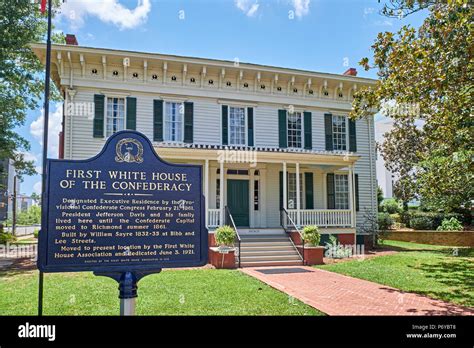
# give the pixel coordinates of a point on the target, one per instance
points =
(115, 115)
(294, 126)
(339, 132)
(236, 126)
(173, 121)
(341, 185)
(292, 191)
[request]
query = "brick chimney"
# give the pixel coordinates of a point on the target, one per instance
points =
(71, 40)
(351, 72)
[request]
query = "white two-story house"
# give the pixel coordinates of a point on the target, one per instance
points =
(276, 145)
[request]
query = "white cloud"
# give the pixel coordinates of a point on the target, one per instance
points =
(28, 156)
(37, 187)
(54, 127)
(248, 7)
(301, 7)
(108, 11)
(384, 23)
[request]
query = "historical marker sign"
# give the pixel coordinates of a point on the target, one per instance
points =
(123, 210)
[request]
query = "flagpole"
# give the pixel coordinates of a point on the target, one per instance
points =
(45, 140)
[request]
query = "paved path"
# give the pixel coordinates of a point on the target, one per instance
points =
(337, 294)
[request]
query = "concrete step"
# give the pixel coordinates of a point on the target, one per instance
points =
(271, 263)
(269, 254)
(270, 258)
(269, 248)
(264, 244)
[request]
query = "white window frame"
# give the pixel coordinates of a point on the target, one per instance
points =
(302, 193)
(106, 118)
(245, 124)
(346, 135)
(301, 113)
(165, 122)
(336, 192)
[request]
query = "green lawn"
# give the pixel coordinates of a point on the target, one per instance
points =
(431, 270)
(173, 292)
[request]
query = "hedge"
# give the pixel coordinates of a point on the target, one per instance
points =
(430, 220)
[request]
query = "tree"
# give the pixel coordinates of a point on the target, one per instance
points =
(426, 78)
(21, 81)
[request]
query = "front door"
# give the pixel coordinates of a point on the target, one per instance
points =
(238, 201)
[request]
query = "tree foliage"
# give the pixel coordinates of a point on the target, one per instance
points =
(21, 79)
(426, 86)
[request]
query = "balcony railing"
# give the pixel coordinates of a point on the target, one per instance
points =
(322, 217)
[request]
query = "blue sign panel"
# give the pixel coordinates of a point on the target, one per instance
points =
(122, 210)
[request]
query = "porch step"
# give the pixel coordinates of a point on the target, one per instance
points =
(271, 263)
(268, 250)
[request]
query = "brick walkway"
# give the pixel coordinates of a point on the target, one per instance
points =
(336, 294)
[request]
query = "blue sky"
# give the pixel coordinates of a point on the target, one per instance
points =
(320, 35)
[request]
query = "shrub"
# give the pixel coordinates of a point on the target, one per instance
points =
(430, 220)
(225, 236)
(452, 224)
(36, 233)
(311, 235)
(7, 238)
(335, 250)
(421, 222)
(391, 206)
(396, 217)
(384, 221)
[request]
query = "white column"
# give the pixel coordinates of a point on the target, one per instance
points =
(285, 189)
(206, 190)
(298, 195)
(221, 192)
(351, 194)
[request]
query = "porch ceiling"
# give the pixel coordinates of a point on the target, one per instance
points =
(317, 159)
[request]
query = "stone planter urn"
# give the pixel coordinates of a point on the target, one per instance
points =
(222, 257)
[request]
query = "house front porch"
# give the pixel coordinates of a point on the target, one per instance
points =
(254, 187)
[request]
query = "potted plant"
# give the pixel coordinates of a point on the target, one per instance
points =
(313, 252)
(223, 256)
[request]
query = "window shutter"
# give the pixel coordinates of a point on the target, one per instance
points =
(308, 139)
(98, 124)
(328, 131)
(282, 134)
(356, 183)
(308, 181)
(250, 126)
(352, 136)
(188, 122)
(281, 190)
(225, 131)
(158, 120)
(131, 113)
(330, 189)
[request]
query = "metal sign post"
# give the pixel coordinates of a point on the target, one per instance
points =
(128, 286)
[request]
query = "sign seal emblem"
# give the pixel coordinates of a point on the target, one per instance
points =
(129, 150)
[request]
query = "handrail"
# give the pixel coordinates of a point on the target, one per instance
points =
(231, 219)
(284, 213)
